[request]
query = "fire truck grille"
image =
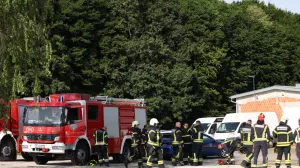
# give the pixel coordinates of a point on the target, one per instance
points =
(49, 137)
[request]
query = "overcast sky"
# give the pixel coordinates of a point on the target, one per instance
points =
(289, 5)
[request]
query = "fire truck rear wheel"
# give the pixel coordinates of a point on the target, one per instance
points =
(26, 156)
(8, 150)
(80, 155)
(40, 160)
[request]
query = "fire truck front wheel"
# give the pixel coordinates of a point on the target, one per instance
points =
(7, 149)
(40, 160)
(81, 154)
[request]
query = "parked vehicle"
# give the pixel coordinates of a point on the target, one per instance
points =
(68, 134)
(10, 139)
(232, 122)
(211, 147)
(210, 124)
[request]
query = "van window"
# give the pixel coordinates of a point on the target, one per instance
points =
(213, 129)
(228, 127)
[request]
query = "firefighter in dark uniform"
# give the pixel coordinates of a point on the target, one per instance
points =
(230, 145)
(187, 142)
(177, 145)
(136, 144)
(154, 144)
(261, 133)
(101, 140)
(297, 137)
(197, 135)
(144, 141)
(284, 136)
(247, 143)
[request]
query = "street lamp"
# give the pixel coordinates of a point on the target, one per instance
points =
(253, 77)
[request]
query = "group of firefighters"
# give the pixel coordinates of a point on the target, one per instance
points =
(188, 143)
(255, 139)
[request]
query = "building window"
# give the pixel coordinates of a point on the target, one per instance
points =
(93, 113)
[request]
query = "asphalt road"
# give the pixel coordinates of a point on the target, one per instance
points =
(208, 162)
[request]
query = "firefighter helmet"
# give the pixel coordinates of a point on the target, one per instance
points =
(261, 117)
(283, 119)
(134, 123)
(153, 122)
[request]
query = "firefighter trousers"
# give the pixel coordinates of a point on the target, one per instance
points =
(298, 152)
(155, 152)
(102, 154)
(197, 153)
(230, 147)
(286, 150)
(263, 147)
(137, 155)
(249, 154)
(187, 153)
(144, 152)
(177, 149)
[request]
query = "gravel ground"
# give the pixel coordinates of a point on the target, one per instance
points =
(208, 162)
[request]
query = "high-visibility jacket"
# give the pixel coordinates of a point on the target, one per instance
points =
(154, 137)
(186, 136)
(297, 135)
(100, 137)
(283, 134)
(246, 137)
(261, 132)
(197, 134)
(136, 137)
(177, 137)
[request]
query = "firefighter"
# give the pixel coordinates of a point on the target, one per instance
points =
(144, 141)
(101, 140)
(187, 142)
(297, 136)
(261, 133)
(177, 144)
(284, 136)
(153, 144)
(230, 146)
(136, 144)
(247, 143)
(197, 135)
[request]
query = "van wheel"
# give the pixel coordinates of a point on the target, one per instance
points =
(40, 160)
(26, 156)
(222, 153)
(7, 150)
(80, 155)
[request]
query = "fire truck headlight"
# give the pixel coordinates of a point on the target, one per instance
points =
(57, 138)
(25, 138)
(24, 146)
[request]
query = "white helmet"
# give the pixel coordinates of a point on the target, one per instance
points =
(135, 123)
(284, 119)
(153, 122)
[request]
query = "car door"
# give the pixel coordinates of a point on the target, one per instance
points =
(210, 147)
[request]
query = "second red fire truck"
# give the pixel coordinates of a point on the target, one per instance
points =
(62, 126)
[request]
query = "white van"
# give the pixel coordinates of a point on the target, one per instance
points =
(232, 122)
(210, 124)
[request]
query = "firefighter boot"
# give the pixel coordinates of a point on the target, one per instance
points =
(288, 166)
(140, 164)
(161, 166)
(180, 163)
(244, 164)
(277, 166)
(107, 164)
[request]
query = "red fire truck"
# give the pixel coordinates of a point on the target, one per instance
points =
(62, 127)
(10, 139)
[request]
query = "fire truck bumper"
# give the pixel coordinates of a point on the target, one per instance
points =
(56, 148)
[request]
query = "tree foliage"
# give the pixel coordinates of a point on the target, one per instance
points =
(184, 57)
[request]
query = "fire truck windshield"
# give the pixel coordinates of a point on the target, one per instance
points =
(44, 116)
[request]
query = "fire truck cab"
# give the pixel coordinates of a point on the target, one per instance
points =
(62, 126)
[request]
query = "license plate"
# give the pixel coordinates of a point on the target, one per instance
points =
(40, 146)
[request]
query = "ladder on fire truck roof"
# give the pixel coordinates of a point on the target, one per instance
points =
(110, 100)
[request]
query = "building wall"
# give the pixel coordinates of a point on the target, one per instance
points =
(271, 102)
